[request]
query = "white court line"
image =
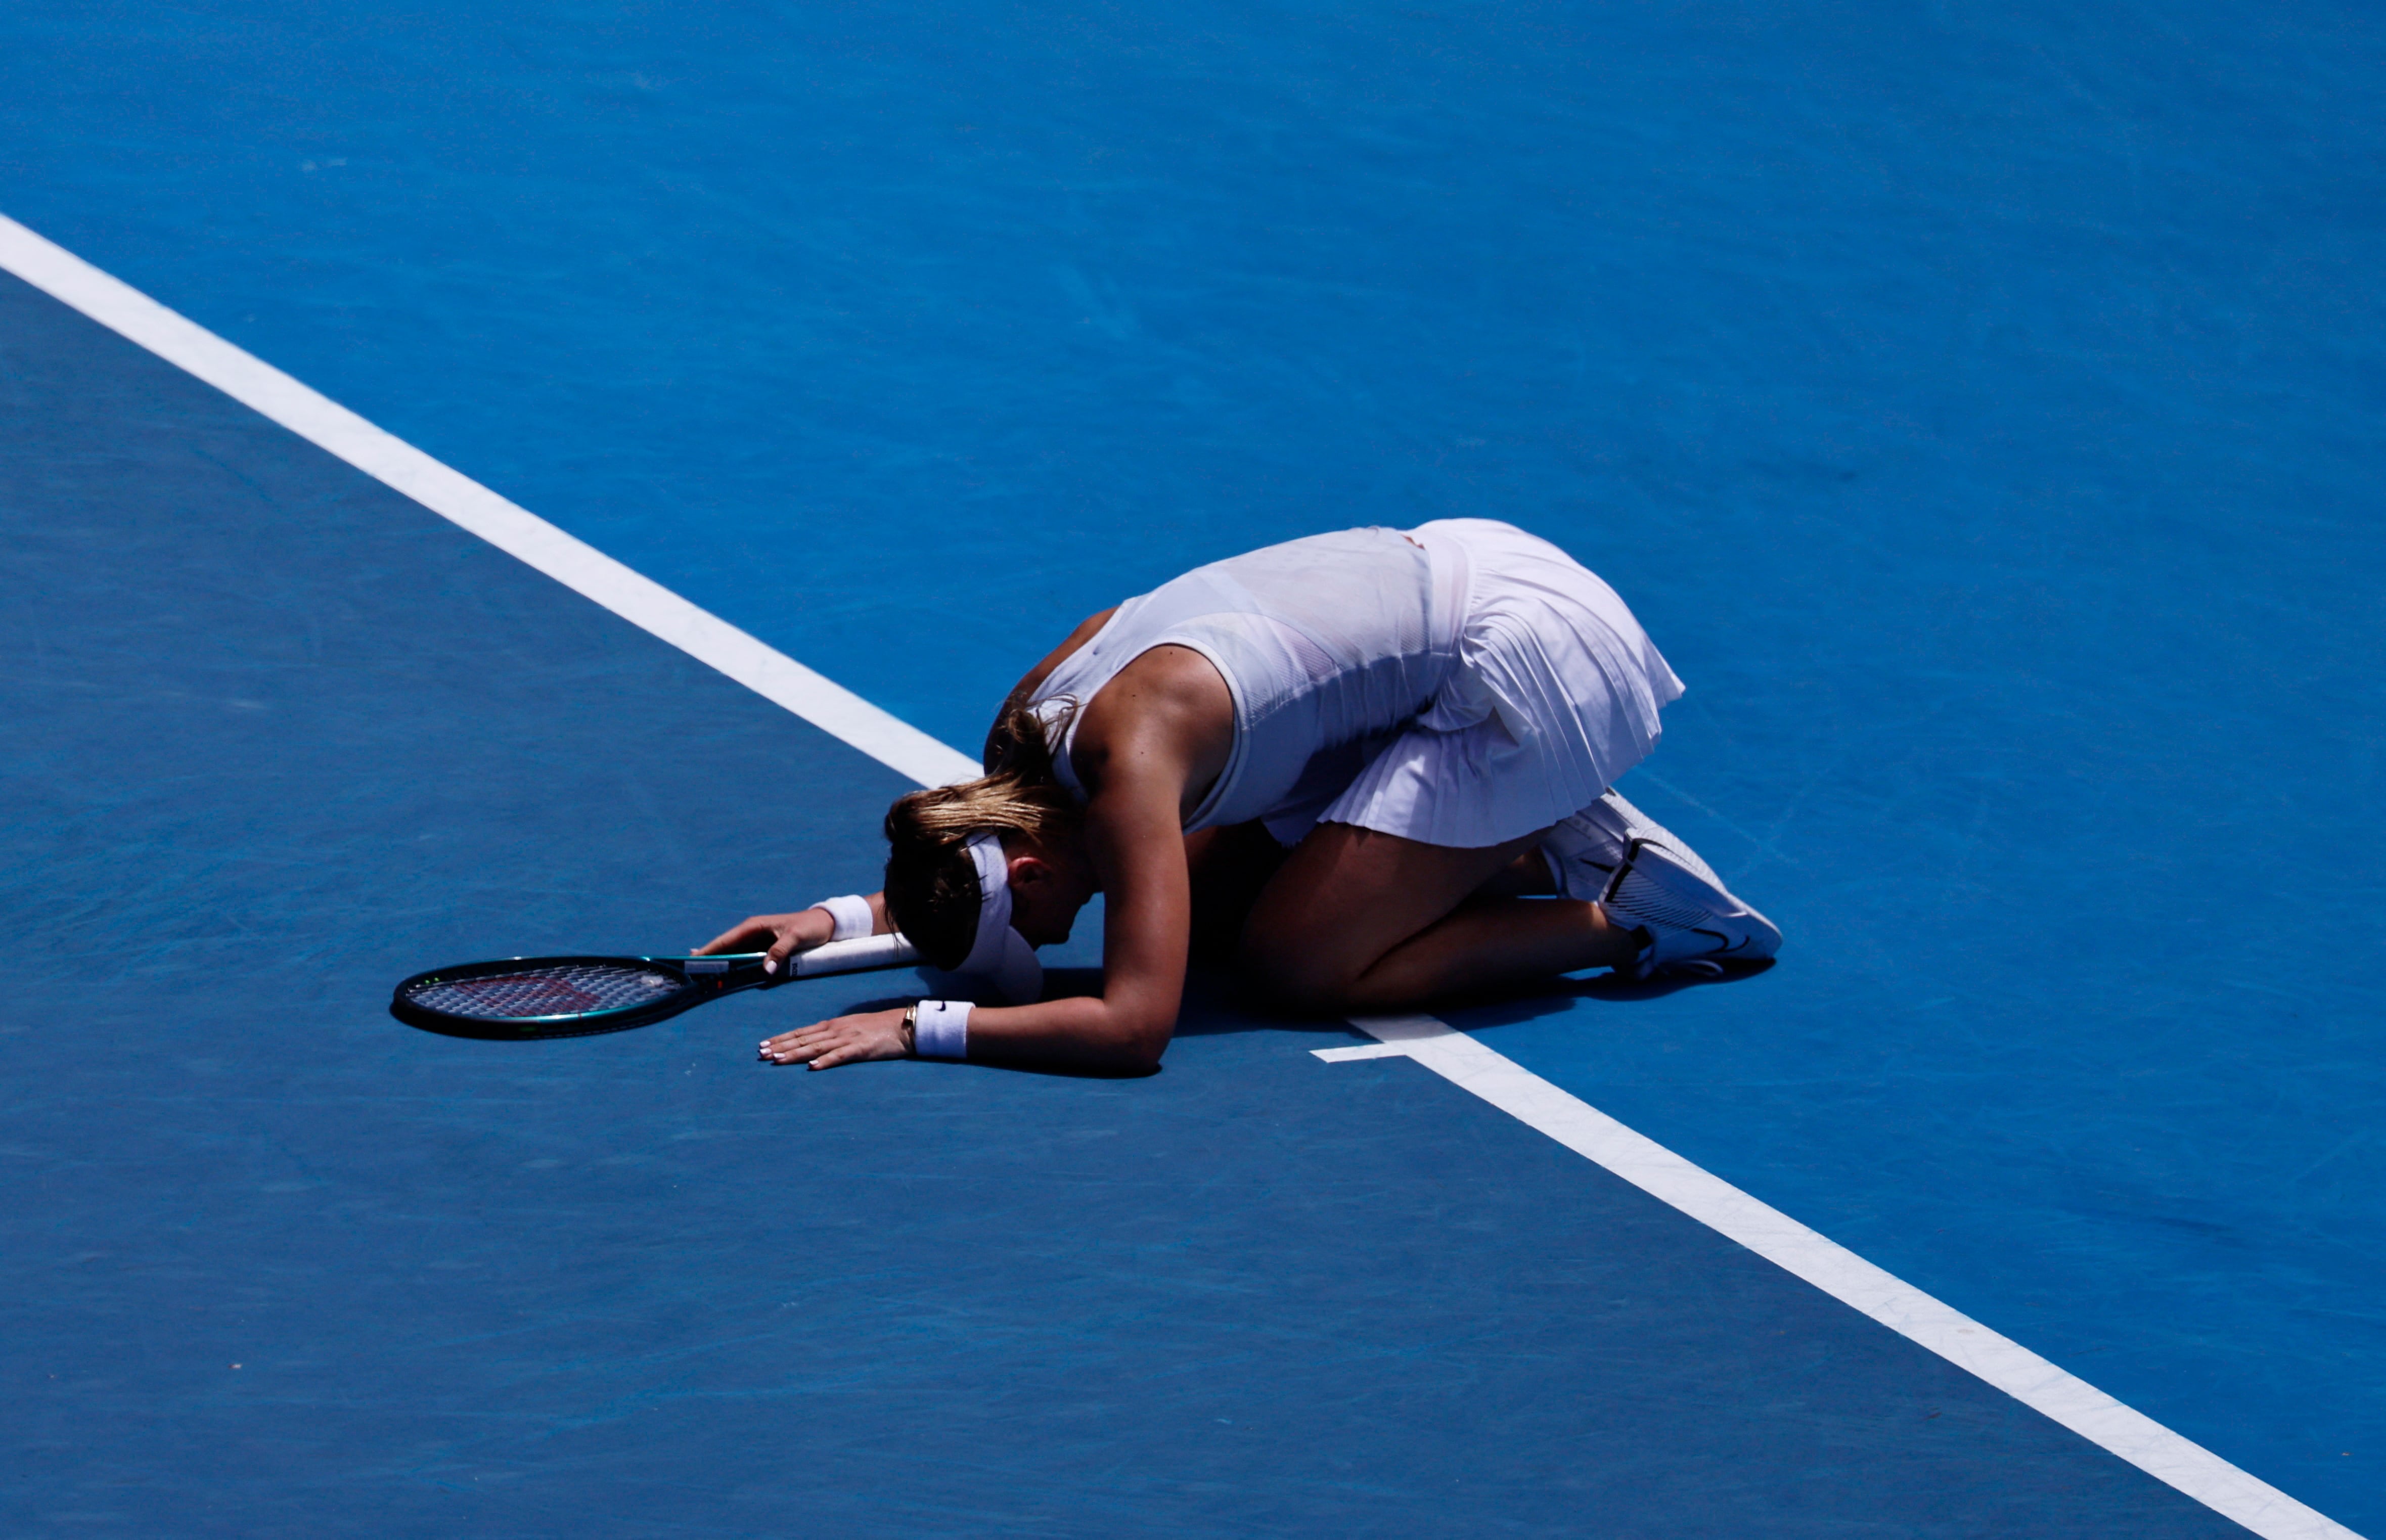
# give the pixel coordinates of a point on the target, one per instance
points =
(1360, 1050)
(895, 744)
(453, 496)
(1845, 1276)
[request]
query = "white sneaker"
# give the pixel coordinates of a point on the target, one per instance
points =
(1583, 851)
(1693, 922)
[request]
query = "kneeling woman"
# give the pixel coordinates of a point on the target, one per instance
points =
(1358, 757)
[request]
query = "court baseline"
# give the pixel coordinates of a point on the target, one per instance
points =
(1987, 1354)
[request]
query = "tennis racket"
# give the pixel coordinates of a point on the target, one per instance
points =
(530, 997)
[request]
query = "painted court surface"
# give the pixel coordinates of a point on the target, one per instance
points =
(1980, 404)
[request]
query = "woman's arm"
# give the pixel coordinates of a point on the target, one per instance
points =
(1147, 747)
(1138, 850)
(1146, 924)
(781, 934)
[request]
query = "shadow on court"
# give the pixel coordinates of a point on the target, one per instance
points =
(1215, 1002)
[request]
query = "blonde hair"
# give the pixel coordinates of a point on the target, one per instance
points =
(932, 891)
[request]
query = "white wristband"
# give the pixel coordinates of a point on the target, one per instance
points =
(851, 912)
(941, 1030)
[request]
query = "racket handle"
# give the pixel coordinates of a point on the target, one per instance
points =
(853, 956)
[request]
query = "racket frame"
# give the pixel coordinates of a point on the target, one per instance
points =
(702, 981)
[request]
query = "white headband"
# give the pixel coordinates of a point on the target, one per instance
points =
(1000, 952)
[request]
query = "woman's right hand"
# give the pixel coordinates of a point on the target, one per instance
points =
(779, 935)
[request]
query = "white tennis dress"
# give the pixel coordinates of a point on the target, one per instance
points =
(1460, 683)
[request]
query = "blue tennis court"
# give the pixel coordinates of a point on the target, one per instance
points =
(1981, 405)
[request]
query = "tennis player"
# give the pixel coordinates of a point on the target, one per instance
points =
(1371, 768)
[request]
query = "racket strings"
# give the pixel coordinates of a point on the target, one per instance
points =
(569, 989)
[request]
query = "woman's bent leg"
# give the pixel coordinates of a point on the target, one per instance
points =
(1356, 920)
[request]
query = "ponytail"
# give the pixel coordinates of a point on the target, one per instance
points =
(932, 891)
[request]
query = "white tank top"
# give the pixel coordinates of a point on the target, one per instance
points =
(1328, 646)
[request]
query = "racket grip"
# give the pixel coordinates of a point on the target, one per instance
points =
(853, 956)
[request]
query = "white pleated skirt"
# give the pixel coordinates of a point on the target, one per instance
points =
(1556, 694)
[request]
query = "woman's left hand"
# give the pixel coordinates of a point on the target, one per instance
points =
(840, 1040)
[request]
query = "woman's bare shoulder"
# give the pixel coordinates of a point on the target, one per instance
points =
(1168, 714)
